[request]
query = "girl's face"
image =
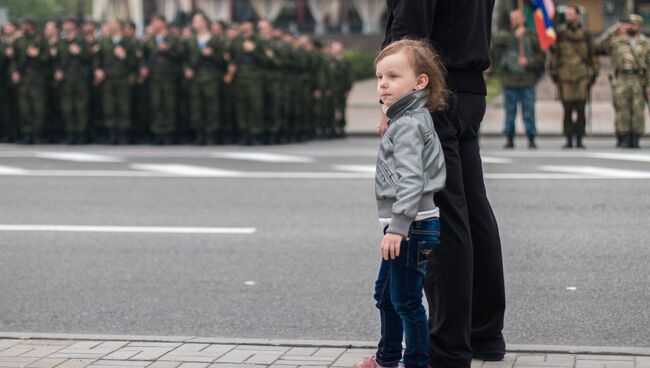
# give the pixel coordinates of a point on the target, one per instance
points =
(396, 78)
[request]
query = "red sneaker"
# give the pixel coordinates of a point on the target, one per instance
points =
(369, 363)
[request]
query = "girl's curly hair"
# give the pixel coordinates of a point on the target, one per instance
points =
(423, 60)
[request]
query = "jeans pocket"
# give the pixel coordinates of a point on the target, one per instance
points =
(425, 249)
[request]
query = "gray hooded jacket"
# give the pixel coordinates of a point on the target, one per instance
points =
(410, 163)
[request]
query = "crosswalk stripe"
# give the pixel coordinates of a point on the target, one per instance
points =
(263, 157)
(596, 171)
(185, 170)
(9, 170)
(355, 168)
(495, 160)
(130, 229)
(621, 156)
(77, 157)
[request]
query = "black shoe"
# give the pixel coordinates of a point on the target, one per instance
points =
(488, 357)
(569, 142)
(619, 140)
(200, 139)
(70, 139)
(210, 139)
(27, 138)
(579, 143)
(123, 138)
(531, 142)
(510, 142)
(628, 140)
(635, 140)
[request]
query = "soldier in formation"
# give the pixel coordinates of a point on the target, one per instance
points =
(574, 68)
(629, 51)
(207, 82)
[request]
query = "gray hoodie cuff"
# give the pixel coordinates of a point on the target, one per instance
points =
(400, 225)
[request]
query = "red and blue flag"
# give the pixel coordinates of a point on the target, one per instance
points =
(543, 12)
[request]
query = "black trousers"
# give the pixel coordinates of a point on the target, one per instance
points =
(577, 127)
(464, 284)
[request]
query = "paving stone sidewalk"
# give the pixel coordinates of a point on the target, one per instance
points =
(70, 353)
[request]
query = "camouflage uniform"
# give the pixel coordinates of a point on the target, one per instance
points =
(574, 67)
(248, 89)
(75, 86)
(205, 86)
(164, 68)
(342, 75)
(32, 88)
(630, 60)
(117, 86)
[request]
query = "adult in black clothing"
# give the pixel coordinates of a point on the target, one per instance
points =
(464, 284)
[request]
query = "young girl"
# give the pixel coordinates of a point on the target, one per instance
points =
(410, 169)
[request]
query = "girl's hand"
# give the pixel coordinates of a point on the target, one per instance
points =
(390, 246)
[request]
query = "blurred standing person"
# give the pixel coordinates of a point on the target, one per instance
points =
(9, 114)
(342, 86)
(464, 284)
(228, 96)
(162, 56)
(29, 75)
(140, 100)
(519, 73)
(54, 127)
(629, 51)
(272, 80)
(248, 61)
(73, 71)
(574, 68)
(90, 30)
(115, 68)
(204, 69)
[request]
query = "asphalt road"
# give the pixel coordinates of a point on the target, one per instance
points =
(574, 228)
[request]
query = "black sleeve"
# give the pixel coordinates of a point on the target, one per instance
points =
(409, 19)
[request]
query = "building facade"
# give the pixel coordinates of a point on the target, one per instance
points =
(317, 16)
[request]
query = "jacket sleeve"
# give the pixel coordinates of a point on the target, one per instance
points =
(604, 42)
(409, 19)
(408, 143)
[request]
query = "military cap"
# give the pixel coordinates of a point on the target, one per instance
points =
(28, 20)
(70, 19)
(636, 19)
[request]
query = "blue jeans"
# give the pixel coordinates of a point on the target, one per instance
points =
(526, 97)
(398, 292)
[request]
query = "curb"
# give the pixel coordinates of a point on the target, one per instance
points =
(369, 134)
(511, 348)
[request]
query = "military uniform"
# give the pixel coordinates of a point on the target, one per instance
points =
(630, 60)
(342, 76)
(54, 117)
(118, 60)
(9, 115)
(75, 87)
(248, 88)
(164, 68)
(574, 67)
(32, 87)
(205, 86)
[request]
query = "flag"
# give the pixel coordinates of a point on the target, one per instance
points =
(543, 12)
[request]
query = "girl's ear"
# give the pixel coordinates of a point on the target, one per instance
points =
(422, 82)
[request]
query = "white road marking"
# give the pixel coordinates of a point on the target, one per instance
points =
(131, 229)
(621, 156)
(495, 160)
(249, 283)
(355, 168)
(185, 170)
(536, 176)
(263, 157)
(77, 157)
(596, 171)
(8, 170)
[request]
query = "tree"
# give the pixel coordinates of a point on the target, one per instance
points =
(42, 10)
